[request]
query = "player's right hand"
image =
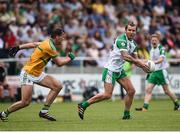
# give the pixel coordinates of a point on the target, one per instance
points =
(145, 67)
(12, 51)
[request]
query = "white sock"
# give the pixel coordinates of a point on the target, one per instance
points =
(4, 114)
(44, 111)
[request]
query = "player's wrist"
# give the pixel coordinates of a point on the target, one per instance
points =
(71, 55)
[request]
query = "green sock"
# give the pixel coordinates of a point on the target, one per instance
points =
(176, 103)
(46, 107)
(126, 113)
(145, 105)
(85, 104)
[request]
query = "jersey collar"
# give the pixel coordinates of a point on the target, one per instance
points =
(53, 43)
(128, 39)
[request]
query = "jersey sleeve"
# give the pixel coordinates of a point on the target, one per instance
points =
(162, 51)
(135, 50)
(121, 44)
(51, 49)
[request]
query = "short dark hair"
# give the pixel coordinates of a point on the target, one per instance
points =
(57, 32)
(130, 23)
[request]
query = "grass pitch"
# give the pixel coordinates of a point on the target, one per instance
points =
(104, 116)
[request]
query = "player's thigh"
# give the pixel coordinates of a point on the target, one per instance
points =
(108, 87)
(50, 82)
(126, 83)
(26, 92)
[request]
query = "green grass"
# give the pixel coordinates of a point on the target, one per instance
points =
(102, 116)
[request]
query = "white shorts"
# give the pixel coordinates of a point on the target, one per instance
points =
(27, 79)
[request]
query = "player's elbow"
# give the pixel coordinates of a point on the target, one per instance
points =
(59, 63)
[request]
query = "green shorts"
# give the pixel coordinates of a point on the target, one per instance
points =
(158, 77)
(110, 77)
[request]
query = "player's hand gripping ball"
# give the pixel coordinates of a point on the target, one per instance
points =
(151, 65)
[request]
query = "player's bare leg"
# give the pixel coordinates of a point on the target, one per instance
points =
(55, 87)
(108, 87)
(26, 93)
(127, 85)
(172, 96)
(147, 98)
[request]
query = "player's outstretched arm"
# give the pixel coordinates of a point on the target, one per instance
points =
(158, 61)
(136, 61)
(29, 45)
(62, 61)
(13, 50)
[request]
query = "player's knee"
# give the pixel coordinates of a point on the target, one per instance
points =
(25, 103)
(107, 95)
(166, 91)
(148, 91)
(57, 87)
(131, 92)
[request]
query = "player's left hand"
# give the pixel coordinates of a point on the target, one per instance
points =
(71, 55)
(12, 51)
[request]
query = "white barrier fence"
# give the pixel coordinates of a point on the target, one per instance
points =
(75, 84)
(77, 58)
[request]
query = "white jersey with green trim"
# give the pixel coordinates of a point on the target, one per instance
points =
(157, 52)
(115, 61)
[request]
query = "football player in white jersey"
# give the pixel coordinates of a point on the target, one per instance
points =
(159, 76)
(124, 49)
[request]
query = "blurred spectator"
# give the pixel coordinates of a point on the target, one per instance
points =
(177, 39)
(161, 26)
(145, 19)
(175, 18)
(90, 25)
(110, 9)
(5, 89)
(168, 40)
(98, 7)
(97, 40)
(103, 55)
(108, 39)
(153, 26)
(148, 5)
(93, 52)
(87, 23)
(175, 53)
(142, 50)
(159, 9)
(10, 39)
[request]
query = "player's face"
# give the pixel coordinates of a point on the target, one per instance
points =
(154, 42)
(59, 39)
(131, 32)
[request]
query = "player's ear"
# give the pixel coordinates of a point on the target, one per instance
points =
(126, 27)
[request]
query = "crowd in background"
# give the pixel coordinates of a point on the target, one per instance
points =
(91, 25)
